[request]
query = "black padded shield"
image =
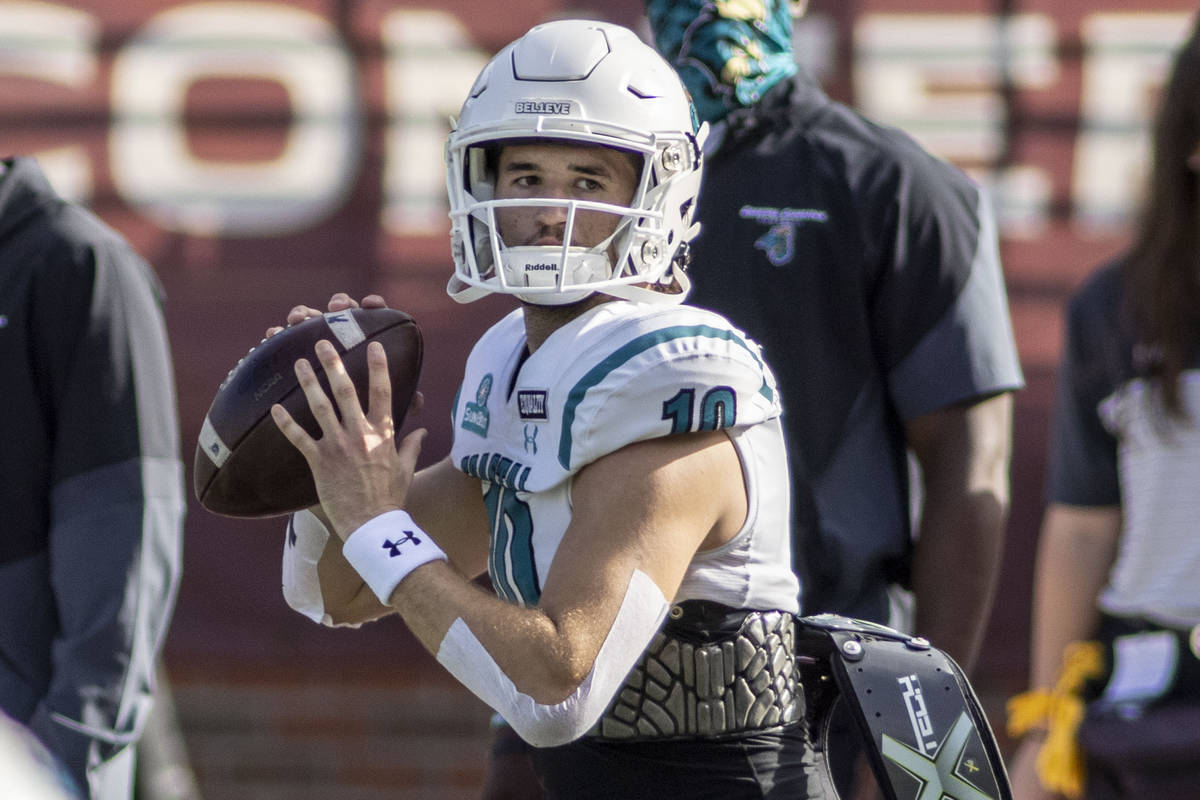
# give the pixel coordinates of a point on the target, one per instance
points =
(927, 733)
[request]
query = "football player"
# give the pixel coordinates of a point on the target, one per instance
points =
(617, 463)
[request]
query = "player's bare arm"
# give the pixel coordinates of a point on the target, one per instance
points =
(964, 456)
(648, 507)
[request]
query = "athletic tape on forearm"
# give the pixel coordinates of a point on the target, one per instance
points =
(302, 547)
(385, 549)
(640, 616)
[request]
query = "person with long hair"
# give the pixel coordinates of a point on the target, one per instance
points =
(1115, 670)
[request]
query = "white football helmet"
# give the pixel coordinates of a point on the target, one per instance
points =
(585, 82)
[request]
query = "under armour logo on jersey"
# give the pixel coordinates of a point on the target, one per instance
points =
(778, 243)
(531, 432)
(393, 548)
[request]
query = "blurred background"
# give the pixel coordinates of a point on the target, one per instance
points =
(263, 154)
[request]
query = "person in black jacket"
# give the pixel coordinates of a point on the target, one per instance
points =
(869, 271)
(90, 480)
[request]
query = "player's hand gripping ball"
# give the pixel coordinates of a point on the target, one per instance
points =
(244, 466)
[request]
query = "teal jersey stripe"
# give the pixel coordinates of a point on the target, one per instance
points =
(497, 567)
(511, 563)
(627, 352)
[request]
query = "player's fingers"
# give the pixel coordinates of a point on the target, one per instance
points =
(318, 401)
(300, 313)
(292, 430)
(410, 449)
(374, 301)
(379, 383)
(271, 331)
(340, 384)
(340, 301)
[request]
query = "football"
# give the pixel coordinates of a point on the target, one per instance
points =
(244, 467)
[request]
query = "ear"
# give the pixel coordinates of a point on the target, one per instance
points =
(1193, 161)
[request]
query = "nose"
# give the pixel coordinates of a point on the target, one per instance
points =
(551, 224)
(550, 215)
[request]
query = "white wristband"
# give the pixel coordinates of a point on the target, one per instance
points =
(388, 547)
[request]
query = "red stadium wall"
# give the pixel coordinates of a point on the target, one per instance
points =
(265, 154)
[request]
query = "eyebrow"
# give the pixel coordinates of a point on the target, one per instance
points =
(599, 170)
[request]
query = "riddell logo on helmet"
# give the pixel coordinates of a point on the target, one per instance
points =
(541, 267)
(559, 108)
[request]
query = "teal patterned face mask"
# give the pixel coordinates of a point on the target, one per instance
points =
(728, 52)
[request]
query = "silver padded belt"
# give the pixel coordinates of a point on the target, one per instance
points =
(741, 681)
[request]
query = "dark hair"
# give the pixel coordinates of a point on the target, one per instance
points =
(1163, 268)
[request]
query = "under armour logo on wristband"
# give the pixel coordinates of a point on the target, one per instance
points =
(393, 548)
(383, 575)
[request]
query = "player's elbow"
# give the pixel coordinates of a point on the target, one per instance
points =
(549, 699)
(562, 698)
(561, 671)
(554, 724)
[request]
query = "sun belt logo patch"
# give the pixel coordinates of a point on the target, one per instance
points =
(476, 418)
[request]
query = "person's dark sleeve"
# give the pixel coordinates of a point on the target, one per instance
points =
(940, 306)
(117, 502)
(1082, 461)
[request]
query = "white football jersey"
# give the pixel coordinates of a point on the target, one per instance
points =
(621, 372)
